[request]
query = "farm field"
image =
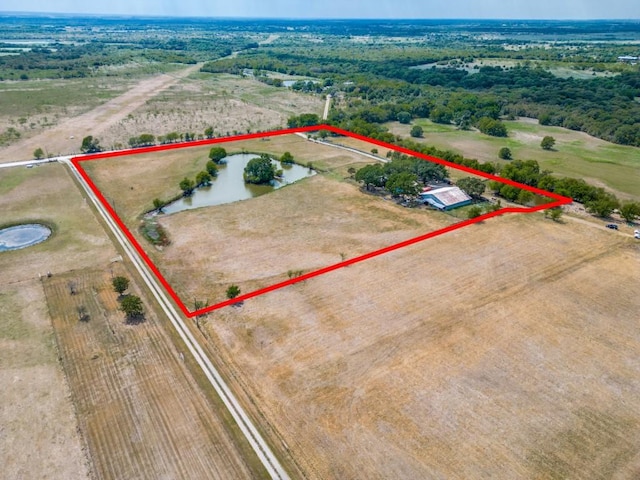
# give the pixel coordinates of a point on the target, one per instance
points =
(52, 431)
(37, 421)
(575, 154)
(136, 402)
(488, 352)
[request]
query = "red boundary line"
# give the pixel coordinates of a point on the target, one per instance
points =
(559, 200)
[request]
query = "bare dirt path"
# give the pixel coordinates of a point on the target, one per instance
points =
(67, 136)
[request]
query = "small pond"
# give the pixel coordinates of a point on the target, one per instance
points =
(229, 185)
(23, 236)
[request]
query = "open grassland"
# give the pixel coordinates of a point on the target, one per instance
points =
(504, 350)
(32, 107)
(138, 407)
(127, 387)
(575, 154)
(65, 136)
(311, 224)
(228, 103)
(37, 423)
(38, 429)
(133, 181)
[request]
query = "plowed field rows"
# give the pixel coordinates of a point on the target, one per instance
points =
(139, 410)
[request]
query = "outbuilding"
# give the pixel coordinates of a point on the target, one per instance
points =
(445, 198)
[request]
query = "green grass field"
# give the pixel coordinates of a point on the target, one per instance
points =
(575, 154)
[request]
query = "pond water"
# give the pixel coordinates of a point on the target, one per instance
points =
(229, 185)
(22, 236)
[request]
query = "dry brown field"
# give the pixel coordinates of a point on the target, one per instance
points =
(132, 182)
(182, 101)
(38, 426)
(57, 426)
(135, 399)
(507, 349)
(504, 350)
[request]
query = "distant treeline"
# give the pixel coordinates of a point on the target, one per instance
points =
(604, 107)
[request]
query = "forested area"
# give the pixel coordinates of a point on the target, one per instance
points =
(605, 107)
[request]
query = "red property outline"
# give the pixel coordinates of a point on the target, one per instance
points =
(559, 200)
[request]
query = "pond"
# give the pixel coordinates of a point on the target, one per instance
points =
(229, 185)
(23, 236)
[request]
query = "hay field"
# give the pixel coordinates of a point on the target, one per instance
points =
(504, 350)
(136, 403)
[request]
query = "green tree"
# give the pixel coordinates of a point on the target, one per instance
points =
(286, 158)
(505, 153)
(402, 183)
(212, 168)
(158, 204)
(474, 187)
(259, 170)
(147, 139)
(90, 145)
(217, 154)
(417, 131)
(554, 213)
(208, 132)
(203, 178)
(630, 211)
(132, 306)
(441, 115)
(303, 120)
(38, 153)
(548, 142)
(371, 176)
(233, 291)
(404, 117)
(603, 206)
(187, 186)
(474, 212)
(120, 284)
(494, 128)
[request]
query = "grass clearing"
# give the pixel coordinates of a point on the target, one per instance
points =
(575, 154)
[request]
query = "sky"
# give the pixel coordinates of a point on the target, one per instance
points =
(476, 9)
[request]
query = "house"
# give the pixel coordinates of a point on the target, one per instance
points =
(445, 198)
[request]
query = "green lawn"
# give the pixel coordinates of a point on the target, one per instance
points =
(575, 154)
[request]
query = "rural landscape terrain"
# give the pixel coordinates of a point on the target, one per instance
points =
(505, 349)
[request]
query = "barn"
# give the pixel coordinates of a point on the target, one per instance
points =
(445, 198)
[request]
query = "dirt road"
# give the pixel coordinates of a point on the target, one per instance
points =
(66, 137)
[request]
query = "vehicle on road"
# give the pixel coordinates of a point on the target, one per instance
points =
(612, 226)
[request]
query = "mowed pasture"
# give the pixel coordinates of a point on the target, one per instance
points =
(576, 154)
(314, 223)
(507, 349)
(138, 407)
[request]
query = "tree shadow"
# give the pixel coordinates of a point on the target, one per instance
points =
(134, 319)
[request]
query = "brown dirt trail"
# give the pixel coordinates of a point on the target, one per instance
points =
(58, 141)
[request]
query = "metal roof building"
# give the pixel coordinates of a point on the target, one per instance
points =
(445, 198)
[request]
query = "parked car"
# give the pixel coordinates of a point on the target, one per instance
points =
(612, 226)
(636, 233)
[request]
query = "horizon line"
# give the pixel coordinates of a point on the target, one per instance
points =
(208, 17)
